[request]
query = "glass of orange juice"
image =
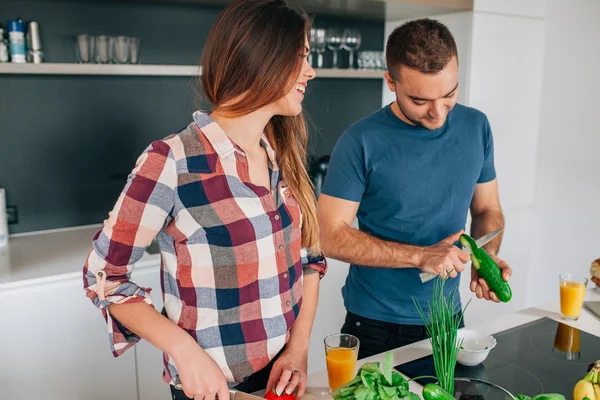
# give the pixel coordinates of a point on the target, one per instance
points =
(572, 293)
(341, 352)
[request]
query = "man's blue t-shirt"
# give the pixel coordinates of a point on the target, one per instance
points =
(414, 186)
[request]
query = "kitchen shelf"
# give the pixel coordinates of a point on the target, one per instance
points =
(152, 70)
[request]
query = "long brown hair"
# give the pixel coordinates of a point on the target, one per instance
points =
(251, 59)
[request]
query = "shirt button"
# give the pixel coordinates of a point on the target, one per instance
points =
(277, 217)
(287, 303)
(281, 247)
(285, 275)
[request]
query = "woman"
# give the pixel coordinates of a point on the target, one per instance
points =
(232, 206)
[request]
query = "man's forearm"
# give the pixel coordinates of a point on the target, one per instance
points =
(351, 245)
(485, 222)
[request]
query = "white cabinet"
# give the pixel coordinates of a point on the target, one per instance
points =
(54, 345)
(149, 358)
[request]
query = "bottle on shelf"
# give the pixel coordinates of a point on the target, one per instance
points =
(34, 44)
(3, 46)
(16, 35)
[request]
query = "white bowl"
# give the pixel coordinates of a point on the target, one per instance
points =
(475, 347)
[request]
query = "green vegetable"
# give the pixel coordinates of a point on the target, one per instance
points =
(442, 324)
(488, 269)
(371, 384)
(522, 397)
(434, 392)
(549, 396)
(546, 396)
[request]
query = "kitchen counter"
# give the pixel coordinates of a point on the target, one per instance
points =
(49, 256)
(317, 382)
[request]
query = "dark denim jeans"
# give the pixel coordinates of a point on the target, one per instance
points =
(377, 337)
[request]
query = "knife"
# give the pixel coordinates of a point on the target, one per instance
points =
(482, 241)
(233, 394)
(237, 395)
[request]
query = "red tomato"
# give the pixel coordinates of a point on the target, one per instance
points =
(273, 396)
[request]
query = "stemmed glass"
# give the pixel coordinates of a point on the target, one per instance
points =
(320, 45)
(312, 38)
(334, 43)
(351, 41)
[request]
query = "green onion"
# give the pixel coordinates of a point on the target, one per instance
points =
(442, 324)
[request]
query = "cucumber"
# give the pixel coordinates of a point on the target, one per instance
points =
(432, 391)
(488, 269)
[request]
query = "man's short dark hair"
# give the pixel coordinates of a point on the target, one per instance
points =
(423, 44)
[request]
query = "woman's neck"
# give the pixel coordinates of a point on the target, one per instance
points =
(244, 131)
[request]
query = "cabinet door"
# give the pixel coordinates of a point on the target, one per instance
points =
(150, 359)
(54, 344)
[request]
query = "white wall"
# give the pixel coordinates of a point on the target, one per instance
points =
(330, 313)
(566, 234)
(505, 82)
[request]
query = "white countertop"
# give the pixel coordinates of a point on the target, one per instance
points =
(318, 385)
(50, 256)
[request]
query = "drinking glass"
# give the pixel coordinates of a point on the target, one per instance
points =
(380, 60)
(85, 49)
(341, 352)
(351, 41)
(134, 50)
(334, 43)
(102, 49)
(121, 50)
(572, 293)
(312, 38)
(320, 45)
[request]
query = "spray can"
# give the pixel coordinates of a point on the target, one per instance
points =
(16, 36)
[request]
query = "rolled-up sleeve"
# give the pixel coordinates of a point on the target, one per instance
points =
(138, 215)
(313, 263)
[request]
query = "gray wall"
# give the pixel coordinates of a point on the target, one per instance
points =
(68, 142)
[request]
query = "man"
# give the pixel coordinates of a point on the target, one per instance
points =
(410, 172)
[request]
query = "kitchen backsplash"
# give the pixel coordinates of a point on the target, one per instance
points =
(67, 143)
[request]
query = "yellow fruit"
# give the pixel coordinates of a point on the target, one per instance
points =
(584, 389)
(597, 391)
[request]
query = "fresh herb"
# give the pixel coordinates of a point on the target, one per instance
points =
(371, 384)
(442, 324)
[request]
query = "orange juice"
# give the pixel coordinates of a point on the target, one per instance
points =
(571, 298)
(341, 366)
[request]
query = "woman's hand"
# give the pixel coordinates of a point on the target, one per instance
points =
(289, 372)
(200, 376)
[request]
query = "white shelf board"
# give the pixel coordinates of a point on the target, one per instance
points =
(98, 69)
(152, 70)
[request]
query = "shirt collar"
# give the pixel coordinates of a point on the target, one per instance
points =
(215, 135)
(222, 144)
